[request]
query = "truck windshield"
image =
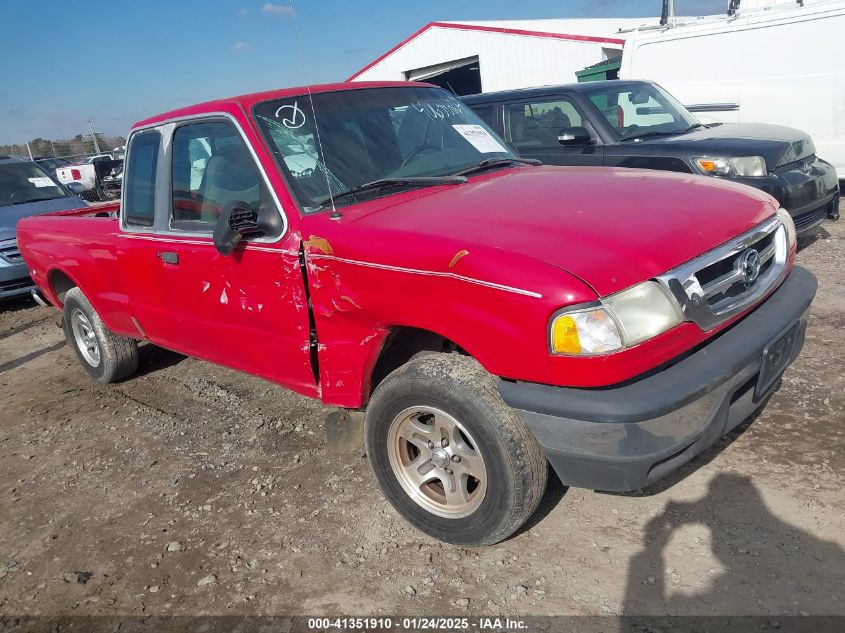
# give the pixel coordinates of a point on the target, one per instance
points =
(23, 182)
(641, 109)
(372, 134)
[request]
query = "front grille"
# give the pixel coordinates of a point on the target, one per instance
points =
(807, 220)
(804, 163)
(17, 284)
(725, 280)
(811, 218)
(720, 284)
(9, 252)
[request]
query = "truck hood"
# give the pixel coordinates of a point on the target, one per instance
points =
(612, 228)
(9, 215)
(778, 145)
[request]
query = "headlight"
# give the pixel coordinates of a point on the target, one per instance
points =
(789, 223)
(644, 312)
(624, 320)
(753, 166)
(587, 332)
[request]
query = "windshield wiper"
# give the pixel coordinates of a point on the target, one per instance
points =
(496, 162)
(383, 183)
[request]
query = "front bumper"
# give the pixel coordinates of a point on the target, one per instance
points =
(627, 436)
(810, 192)
(14, 280)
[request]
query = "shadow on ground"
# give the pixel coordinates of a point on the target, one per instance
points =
(743, 532)
(153, 358)
(811, 237)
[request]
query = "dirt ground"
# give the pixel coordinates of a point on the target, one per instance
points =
(193, 489)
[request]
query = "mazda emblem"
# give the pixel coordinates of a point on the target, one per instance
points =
(749, 266)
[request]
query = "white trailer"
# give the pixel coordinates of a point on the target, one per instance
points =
(781, 64)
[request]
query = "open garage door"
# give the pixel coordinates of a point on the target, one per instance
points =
(461, 76)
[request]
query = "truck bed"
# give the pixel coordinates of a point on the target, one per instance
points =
(78, 247)
(108, 210)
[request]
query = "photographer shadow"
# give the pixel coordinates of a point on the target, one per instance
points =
(768, 567)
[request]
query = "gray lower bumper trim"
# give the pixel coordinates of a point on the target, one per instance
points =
(625, 437)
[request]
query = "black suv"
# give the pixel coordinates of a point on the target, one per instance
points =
(638, 124)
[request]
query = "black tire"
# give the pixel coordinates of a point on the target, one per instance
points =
(118, 356)
(516, 468)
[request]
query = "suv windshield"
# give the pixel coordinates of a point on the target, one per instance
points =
(21, 183)
(642, 109)
(368, 135)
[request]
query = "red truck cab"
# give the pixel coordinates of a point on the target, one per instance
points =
(378, 247)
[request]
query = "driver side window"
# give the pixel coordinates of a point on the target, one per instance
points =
(211, 167)
(538, 123)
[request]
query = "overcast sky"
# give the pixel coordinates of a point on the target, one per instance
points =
(118, 62)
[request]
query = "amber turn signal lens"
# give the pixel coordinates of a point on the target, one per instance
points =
(565, 336)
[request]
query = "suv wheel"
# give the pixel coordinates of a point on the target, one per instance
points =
(104, 355)
(450, 455)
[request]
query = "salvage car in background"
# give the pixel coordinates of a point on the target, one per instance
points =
(490, 314)
(112, 183)
(51, 163)
(25, 190)
(638, 124)
(91, 175)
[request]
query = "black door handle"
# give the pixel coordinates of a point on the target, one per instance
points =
(169, 258)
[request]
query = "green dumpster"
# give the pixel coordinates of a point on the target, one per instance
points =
(608, 69)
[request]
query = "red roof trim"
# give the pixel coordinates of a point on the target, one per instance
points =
(488, 29)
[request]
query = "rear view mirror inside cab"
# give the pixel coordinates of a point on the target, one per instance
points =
(639, 97)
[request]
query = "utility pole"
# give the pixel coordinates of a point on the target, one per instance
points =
(94, 136)
(54, 147)
(668, 13)
(29, 151)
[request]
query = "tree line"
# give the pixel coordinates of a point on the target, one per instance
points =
(79, 145)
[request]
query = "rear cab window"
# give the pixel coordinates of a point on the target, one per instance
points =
(486, 113)
(138, 208)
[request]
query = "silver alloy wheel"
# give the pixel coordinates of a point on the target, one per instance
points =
(85, 337)
(437, 462)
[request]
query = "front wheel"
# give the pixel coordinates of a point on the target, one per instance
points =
(450, 455)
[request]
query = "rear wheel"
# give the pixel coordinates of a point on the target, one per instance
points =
(104, 355)
(450, 455)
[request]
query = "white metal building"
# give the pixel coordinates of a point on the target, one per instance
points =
(471, 57)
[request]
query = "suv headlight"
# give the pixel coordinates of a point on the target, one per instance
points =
(748, 166)
(623, 320)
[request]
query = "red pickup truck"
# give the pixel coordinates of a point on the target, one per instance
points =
(377, 246)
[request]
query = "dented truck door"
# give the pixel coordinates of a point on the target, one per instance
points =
(247, 309)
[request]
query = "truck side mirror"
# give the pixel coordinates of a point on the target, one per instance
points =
(238, 221)
(574, 136)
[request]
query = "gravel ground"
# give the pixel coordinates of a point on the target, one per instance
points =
(193, 489)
